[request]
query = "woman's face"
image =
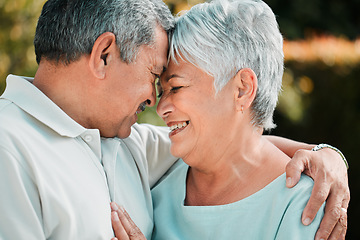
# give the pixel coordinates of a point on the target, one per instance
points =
(200, 121)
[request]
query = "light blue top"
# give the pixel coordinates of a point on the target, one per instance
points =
(274, 212)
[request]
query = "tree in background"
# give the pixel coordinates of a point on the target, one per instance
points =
(18, 20)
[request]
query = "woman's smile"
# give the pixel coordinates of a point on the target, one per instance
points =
(176, 127)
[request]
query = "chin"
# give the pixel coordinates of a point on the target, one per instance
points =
(176, 152)
(124, 130)
(124, 134)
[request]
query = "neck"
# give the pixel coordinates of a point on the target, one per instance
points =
(243, 169)
(64, 85)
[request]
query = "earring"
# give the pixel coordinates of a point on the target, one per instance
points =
(242, 109)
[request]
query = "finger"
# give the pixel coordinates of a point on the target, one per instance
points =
(117, 225)
(295, 167)
(130, 227)
(118, 228)
(346, 200)
(332, 214)
(127, 223)
(336, 206)
(318, 196)
(125, 220)
(343, 221)
(342, 235)
(128, 218)
(340, 228)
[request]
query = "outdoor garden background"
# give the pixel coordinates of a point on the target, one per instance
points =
(320, 101)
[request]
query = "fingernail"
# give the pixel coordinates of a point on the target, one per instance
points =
(306, 221)
(288, 182)
(114, 206)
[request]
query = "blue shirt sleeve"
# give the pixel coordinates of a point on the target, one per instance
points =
(292, 228)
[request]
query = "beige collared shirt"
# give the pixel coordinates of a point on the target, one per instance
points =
(57, 178)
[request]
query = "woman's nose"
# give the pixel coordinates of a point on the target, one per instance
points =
(164, 107)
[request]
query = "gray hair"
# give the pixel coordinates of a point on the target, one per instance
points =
(68, 29)
(225, 36)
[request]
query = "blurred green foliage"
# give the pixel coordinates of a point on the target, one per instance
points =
(330, 114)
(18, 20)
(299, 18)
(320, 101)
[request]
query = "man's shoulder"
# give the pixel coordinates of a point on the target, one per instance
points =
(146, 133)
(4, 103)
(5, 117)
(15, 123)
(9, 112)
(9, 107)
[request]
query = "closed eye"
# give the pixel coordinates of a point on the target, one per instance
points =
(174, 89)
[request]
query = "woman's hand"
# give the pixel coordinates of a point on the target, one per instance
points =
(123, 226)
(329, 172)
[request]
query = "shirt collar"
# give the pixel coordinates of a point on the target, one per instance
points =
(25, 95)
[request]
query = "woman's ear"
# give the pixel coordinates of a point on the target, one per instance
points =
(246, 87)
(101, 53)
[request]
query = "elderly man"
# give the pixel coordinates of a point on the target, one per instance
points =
(69, 143)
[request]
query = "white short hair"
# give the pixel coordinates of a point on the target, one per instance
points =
(223, 36)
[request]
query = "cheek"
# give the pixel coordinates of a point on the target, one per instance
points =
(145, 90)
(210, 121)
(134, 96)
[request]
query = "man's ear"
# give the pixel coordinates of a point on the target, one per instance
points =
(246, 87)
(101, 53)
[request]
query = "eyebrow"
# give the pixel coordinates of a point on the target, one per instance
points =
(167, 79)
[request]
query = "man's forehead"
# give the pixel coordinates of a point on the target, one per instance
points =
(158, 62)
(161, 47)
(160, 69)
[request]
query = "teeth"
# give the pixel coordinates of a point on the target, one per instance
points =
(177, 126)
(141, 108)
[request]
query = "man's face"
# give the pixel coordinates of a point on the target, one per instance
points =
(131, 86)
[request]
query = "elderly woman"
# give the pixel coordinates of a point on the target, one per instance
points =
(218, 95)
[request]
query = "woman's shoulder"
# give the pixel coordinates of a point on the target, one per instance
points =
(279, 185)
(279, 194)
(305, 184)
(176, 173)
(294, 198)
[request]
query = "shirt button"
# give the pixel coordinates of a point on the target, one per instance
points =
(88, 138)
